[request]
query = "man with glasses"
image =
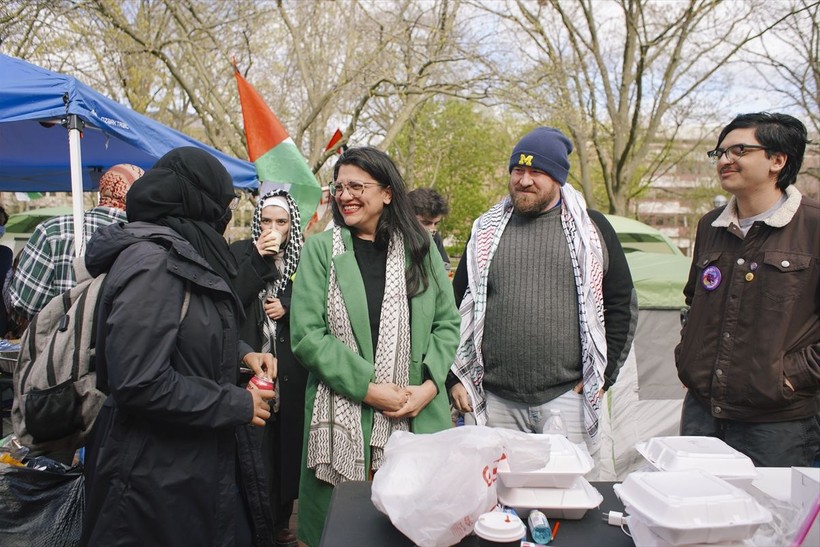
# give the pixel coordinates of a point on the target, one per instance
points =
(750, 345)
(45, 269)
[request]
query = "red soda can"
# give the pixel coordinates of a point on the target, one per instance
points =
(262, 383)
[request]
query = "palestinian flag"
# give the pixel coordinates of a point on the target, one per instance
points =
(279, 164)
(337, 136)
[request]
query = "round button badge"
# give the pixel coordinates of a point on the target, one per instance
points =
(711, 278)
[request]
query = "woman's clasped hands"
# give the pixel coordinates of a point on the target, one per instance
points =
(400, 402)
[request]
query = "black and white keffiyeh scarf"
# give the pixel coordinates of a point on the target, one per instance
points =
(586, 253)
(336, 440)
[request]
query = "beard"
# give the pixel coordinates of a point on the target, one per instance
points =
(531, 204)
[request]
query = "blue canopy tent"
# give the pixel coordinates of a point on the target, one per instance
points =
(34, 151)
(37, 106)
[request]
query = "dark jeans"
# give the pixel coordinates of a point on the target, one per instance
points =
(773, 444)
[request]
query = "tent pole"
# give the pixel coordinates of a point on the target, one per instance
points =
(75, 126)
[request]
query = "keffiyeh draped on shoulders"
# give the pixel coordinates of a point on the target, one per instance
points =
(586, 253)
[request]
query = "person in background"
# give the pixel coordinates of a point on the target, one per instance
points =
(16, 322)
(277, 237)
(45, 269)
(548, 305)
(430, 208)
(750, 344)
(4, 218)
(170, 463)
(6, 260)
(375, 324)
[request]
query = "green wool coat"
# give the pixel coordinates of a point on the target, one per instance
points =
(434, 330)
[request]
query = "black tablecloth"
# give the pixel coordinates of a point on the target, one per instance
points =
(352, 520)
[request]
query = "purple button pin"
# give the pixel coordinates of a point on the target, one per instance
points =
(711, 278)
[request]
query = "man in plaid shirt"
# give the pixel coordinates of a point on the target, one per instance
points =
(45, 269)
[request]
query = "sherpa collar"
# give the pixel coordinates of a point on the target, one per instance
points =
(780, 218)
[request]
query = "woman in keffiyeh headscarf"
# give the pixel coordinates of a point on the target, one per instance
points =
(277, 240)
(168, 463)
(375, 323)
(115, 183)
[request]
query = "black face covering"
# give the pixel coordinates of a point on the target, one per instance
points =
(189, 191)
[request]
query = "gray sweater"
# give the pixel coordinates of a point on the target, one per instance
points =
(620, 301)
(532, 344)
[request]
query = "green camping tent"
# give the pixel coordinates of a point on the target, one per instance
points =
(21, 225)
(659, 270)
(637, 236)
(25, 221)
(645, 400)
(659, 279)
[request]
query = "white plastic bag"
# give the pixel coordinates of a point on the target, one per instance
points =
(434, 486)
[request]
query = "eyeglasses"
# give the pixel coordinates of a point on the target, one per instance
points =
(234, 202)
(733, 152)
(354, 188)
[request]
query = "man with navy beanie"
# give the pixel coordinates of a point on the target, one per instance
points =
(547, 302)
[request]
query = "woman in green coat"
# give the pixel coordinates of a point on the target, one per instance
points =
(375, 323)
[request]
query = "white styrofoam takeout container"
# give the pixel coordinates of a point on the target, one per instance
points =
(685, 507)
(567, 462)
(708, 454)
(566, 503)
(643, 536)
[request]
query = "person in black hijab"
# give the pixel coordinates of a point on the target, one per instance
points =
(171, 461)
(191, 192)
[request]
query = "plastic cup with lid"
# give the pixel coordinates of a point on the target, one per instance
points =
(497, 529)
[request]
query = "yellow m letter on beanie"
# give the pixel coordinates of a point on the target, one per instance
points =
(525, 160)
